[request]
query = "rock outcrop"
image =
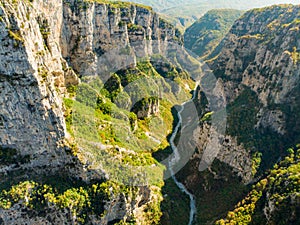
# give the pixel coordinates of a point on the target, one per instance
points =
(45, 47)
(146, 107)
(258, 68)
(32, 79)
(90, 30)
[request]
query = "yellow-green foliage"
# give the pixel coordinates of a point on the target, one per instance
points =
(43, 72)
(256, 36)
(74, 199)
(282, 182)
(244, 209)
(274, 24)
(256, 160)
(16, 35)
(134, 27)
(120, 4)
(95, 118)
(295, 55)
(113, 138)
(81, 200)
(206, 116)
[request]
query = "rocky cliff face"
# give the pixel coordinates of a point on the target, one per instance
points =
(274, 198)
(31, 81)
(259, 65)
(91, 30)
(258, 68)
(45, 47)
(259, 71)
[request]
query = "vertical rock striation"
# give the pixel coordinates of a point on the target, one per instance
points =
(31, 79)
(45, 46)
(258, 69)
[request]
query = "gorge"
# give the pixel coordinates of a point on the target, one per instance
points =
(99, 120)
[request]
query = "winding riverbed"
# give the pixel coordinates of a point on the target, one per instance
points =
(176, 158)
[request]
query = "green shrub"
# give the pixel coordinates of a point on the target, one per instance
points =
(86, 95)
(134, 27)
(279, 184)
(16, 35)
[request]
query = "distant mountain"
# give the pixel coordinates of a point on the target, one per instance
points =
(206, 33)
(187, 11)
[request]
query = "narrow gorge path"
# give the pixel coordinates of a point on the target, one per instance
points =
(177, 158)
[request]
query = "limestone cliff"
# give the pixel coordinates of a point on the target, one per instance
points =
(258, 69)
(274, 199)
(91, 29)
(45, 47)
(258, 72)
(259, 66)
(32, 79)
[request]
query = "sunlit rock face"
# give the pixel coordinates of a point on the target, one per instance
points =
(45, 46)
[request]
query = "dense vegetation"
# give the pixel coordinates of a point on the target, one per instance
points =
(216, 190)
(219, 189)
(81, 201)
(110, 107)
(120, 4)
(175, 205)
(206, 33)
(276, 195)
(104, 120)
(109, 138)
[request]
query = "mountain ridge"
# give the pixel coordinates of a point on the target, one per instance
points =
(187, 13)
(257, 69)
(62, 129)
(205, 34)
(54, 124)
